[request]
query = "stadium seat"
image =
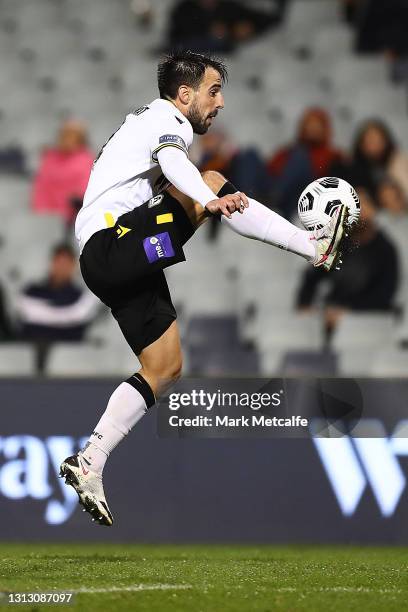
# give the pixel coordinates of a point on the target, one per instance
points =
(67, 359)
(304, 18)
(311, 13)
(390, 363)
(24, 229)
(232, 275)
(364, 331)
(271, 361)
(14, 194)
(309, 363)
(202, 291)
(288, 332)
(354, 362)
(353, 69)
(31, 264)
(227, 361)
(330, 40)
(105, 331)
(212, 331)
(36, 16)
(17, 360)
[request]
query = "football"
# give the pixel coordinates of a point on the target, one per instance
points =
(320, 200)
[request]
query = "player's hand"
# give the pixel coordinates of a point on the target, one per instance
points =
(228, 204)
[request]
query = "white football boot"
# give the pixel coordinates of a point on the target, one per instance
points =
(88, 485)
(329, 239)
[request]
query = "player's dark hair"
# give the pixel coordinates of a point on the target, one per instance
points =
(185, 68)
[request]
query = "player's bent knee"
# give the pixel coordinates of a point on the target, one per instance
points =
(168, 372)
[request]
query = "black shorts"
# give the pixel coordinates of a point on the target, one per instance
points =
(123, 265)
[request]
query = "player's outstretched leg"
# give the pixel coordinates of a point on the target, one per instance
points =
(161, 366)
(320, 248)
(258, 222)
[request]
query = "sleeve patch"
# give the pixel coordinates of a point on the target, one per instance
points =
(172, 139)
(169, 140)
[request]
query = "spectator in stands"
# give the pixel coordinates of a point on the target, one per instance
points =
(214, 151)
(218, 25)
(391, 197)
(375, 157)
(61, 180)
(56, 309)
(308, 158)
(244, 167)
(381, 28)
(368, 278)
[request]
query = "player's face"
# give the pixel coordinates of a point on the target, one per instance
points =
(207, 101)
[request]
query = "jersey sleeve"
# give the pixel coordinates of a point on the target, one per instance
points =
(170, 132)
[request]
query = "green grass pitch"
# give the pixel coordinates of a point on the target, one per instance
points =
(208, 578)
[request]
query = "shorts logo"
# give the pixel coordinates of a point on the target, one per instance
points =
(158, 247)
(121, 231)
(155, 201)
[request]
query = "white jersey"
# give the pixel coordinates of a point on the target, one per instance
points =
(126, 172)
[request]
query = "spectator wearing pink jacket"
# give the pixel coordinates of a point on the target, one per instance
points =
(62, 177)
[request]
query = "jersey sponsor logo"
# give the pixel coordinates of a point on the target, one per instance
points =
(158, 247)
(155, 201)
(121, 231)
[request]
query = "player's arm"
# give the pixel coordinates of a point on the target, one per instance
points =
(179, 170)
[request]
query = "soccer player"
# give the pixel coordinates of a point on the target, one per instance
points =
(144, 200)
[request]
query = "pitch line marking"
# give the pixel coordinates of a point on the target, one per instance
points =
(134, 588)
(338, 589)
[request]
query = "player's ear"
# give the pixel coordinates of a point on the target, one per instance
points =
(184, 93)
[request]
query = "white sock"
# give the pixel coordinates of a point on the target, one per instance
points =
(125, 408)
(260, 223)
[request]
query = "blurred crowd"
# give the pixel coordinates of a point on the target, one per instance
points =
(57, 308)
(380, 27)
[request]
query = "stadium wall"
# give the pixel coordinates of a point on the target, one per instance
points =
(191, 490)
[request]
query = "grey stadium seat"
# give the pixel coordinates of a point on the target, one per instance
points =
(17, 360)
(390, 363)
(364, 330)
(289, 332)
(354, 362)
(68, 359)
(14, 194)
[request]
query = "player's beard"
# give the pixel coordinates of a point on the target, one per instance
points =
(197, 119)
